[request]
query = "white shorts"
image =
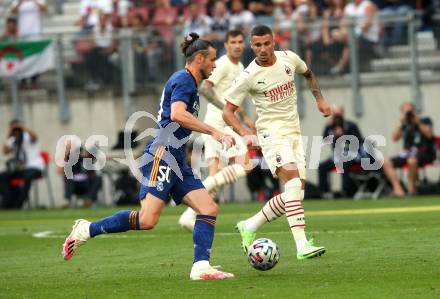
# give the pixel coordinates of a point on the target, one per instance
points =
(214, 149)
(281, 150)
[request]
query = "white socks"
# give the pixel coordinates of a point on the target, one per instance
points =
(188, 219)
(200, 265)
(295, 211)
(272, 210)
(252, 224)
(228, 175)
(289, 203)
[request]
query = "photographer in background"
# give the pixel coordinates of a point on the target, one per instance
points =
(26, 163)
(85, 183)
(338, 127)
(418, 148)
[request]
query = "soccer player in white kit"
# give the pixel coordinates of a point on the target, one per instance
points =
(213, 89)
(270, 83)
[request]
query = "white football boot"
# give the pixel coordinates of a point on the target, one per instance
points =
(77, 237)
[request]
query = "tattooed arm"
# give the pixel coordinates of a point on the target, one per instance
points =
(207, 90)
(323, 107)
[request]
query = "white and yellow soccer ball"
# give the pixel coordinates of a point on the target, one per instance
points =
(263, 254)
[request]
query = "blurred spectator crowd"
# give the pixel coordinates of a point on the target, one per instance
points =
(321, 26)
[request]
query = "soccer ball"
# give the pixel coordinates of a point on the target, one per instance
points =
(263, 254)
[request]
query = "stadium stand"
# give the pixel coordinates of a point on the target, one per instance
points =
(391, 66)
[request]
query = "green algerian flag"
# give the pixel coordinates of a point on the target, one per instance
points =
(24, 59)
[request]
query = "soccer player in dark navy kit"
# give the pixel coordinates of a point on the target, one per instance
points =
(166, 173)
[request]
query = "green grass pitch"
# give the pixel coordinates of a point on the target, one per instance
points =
(375, 249)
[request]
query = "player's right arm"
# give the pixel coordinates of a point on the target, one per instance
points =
(211, 96)
(235, 96)
(181, 94)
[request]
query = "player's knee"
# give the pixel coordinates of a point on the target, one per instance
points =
(210, 209)
(147, 224)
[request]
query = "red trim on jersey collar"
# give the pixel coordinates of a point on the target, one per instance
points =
(232, 104)
(189, 72)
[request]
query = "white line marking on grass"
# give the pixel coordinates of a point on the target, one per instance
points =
(43, 234)
(374, 211)
(51, 235)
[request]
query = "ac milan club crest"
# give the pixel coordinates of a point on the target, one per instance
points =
(288, 70)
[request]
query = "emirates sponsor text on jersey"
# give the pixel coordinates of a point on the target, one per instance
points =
(280, 92)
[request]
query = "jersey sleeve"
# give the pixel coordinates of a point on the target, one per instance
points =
(182, 91)
(239, 90)
(217, 74)
(300, 65)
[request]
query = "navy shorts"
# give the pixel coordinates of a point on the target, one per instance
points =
(162, 181)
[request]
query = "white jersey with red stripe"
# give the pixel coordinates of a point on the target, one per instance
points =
(272, 90)
(222, 78)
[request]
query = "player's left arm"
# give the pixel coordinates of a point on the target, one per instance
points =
(180, 115)
(323, 107)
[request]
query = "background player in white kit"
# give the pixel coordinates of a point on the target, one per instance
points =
(269, 81)
(213, 89)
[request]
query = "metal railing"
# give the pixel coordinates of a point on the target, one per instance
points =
(132, 61)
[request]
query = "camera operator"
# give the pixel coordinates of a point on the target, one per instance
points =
(26, 163)
(418, 147)
(85, 183)
(338, 127)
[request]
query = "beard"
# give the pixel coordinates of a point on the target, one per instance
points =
(204, 74)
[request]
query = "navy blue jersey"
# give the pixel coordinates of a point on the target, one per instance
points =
(180, 87)
(166, 173)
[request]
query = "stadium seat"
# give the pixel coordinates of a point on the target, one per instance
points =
(44, 175)
(422, 169)
(365, 180)
(19, 182)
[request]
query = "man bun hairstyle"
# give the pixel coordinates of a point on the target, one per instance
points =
(193, 45)
(261, 30)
